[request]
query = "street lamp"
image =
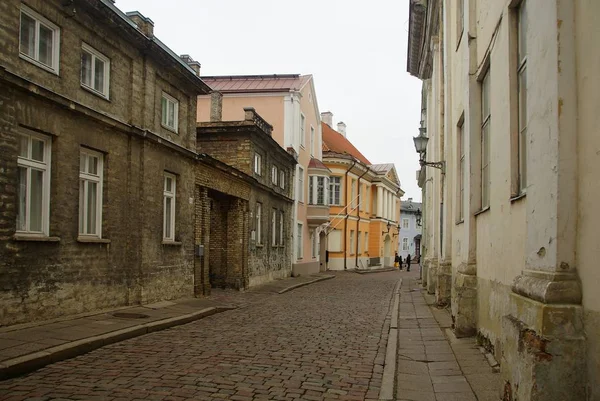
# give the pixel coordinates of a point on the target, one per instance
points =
(389, 225)
(418, 213)
(421, 148)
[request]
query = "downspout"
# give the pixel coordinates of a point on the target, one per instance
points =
(346, 218)
(358, 215)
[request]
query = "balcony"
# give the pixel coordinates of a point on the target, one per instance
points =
(317, 215)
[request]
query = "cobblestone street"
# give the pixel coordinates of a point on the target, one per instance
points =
(323, 341)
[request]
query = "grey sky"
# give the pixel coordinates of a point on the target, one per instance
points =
(356, 51)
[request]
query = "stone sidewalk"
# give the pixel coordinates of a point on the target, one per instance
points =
(27, 347)
(433, 365)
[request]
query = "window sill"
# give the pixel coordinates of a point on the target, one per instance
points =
(39, 64)
(93, 240)
(35, 238)
(94, 92)
(172, 243)
(518, 197)
(260, 246)
(458, 222)
(485, 209)
(173, 130)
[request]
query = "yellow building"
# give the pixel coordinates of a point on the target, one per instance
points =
(364, 204)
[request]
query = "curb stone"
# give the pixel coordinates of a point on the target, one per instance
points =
(28, 363)
(391, 353)
(293, 287)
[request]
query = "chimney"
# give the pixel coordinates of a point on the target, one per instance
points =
(144, 24)
(327, 118)
(194, 65)
(216, 106)
(410, 199)
(341, 128)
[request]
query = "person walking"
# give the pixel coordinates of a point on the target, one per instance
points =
(408, 262)
(397, 261)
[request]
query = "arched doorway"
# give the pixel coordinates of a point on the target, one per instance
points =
(387, 251)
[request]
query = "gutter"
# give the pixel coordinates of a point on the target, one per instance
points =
(346, 218)
(358, 215)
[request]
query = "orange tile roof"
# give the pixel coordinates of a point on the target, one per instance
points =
(333, 141)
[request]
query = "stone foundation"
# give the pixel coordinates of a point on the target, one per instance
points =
(443, 288)
(432, 272)
(464, 300)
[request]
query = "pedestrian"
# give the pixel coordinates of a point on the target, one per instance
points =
(400, 261)
(408, 262)
(397, 261)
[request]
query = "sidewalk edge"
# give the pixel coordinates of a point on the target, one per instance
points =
(293, 287)
(391, 352)
(28, 363)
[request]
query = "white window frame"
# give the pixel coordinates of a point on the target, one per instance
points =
(312, 140)
(405, 223)
(353, 193)
(351, 242)
(281, 222)
(522, 95)
(359, 242)
(299, 244)
(335, 182)
(405, 244)
(259, 223)
(461, 170)
(300, 184)
(486, 117)
(257, 164)
(274, 227)
(30, 164)
(274, 175)
(95, 54)
(366, 242)
(85, 178)
(169, 194)
(40, 20)
(302, 130)
(282, 179)
(164, 121)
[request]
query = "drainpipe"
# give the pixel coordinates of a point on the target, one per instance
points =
(358, 215)
(346, 218)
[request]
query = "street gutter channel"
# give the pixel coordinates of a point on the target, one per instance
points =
(389, 368)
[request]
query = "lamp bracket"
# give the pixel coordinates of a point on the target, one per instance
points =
(439, 165)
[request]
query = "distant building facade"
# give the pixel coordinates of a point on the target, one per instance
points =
(364, 204)
(410, 230)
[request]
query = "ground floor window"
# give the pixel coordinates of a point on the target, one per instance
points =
(299, 241)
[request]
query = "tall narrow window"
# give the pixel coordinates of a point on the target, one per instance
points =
(359, 243)
(39, 40)
(169, 191)
(170, 112)
(367, 241)
(522, 74)
(282, 179)
(281, 222)
(90, 193)
(312, 140)
(257, 164)
(320, 190)
(351, 242)
(95, 70)
(405, 224)
(302, 133)
(313, 245)
(334, 190)
(274, 175)
(33, 185)
(299, 244)
(311, 180)
(300, 184)
(274, 227)
(405, 244)
(461, 170)
(259, 223)
(353, 193)
(486, 117)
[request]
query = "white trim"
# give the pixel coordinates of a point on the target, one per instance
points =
(175, 102)
(39, 19)
(257, 163)
(302, 130)
(169, 194)
(300, 184)
(85, 177)
(259, 213)
(299, 241)
(97, 55)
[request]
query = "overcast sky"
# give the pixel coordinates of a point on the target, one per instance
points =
(356, 51)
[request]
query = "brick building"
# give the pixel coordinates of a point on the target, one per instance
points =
(263, 211)
(97, 156)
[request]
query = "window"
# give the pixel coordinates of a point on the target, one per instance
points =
(169, 207)
(39, 40)
(522, 85)
(258, 223)
(460, 21)
(313, 244)
(334, 241)
(274, 228)
(282, 179)
(486, 117)
(95, 70)
(300, 184)
(359, 243)
(461, 170)
(257, 164)
(90, 193)
(312, 140)
(351, 242)
(367, 242)
(33, 165)
(405, 224)
(310, 190)
(281, 238)
(319, 197)
(302, 134)
(170, 112)
(299, 242)
(274, 175)
(405, 244)
(334, 190)
(353, 193)
(367, 197)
